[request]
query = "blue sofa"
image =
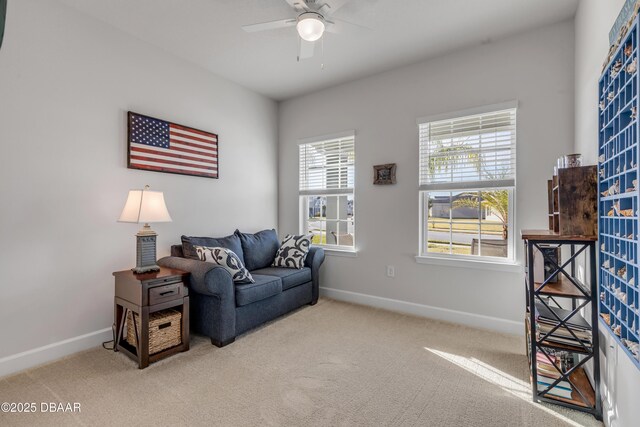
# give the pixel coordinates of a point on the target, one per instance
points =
(222, 309)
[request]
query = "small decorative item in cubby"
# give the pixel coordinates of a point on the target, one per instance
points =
(618, 195)
(615, 69)
(633, 66)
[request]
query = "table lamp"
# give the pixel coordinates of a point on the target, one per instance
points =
(142, 207)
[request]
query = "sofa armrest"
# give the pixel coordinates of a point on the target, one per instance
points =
(314, 260)
(205, 278)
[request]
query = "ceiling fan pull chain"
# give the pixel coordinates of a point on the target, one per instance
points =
(322, 53)
(299, 46)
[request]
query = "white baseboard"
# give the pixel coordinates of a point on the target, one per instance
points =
(48, 353)
(454, 316)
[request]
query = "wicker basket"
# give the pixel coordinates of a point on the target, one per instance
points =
(165, 330)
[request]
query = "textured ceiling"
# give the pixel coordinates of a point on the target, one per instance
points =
(208, 33)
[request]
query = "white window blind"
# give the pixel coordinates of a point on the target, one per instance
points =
(476, 151)
(327, 167)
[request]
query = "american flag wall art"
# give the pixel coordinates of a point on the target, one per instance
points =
(162, 146)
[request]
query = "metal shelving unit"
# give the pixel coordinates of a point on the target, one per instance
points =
(618, 196)
(561, 289)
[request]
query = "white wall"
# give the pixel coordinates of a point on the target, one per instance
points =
(594, 19)
(535, 68)
(66, 82)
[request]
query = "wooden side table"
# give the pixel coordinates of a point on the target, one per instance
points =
(144, 294)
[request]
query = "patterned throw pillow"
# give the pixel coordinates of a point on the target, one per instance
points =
(225, 258)
(293, 251)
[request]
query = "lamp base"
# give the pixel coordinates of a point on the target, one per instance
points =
(146, 269)
(146, 251)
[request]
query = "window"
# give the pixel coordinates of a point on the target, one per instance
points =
(327, 169)
(467, 184)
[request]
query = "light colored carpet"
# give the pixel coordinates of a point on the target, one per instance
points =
(332, 364)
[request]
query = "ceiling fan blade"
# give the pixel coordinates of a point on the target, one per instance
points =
(331, 6)
(271, 25)
(298, 5)
(339, 26)
(306, 49)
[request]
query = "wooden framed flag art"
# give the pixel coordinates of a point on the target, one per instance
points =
(161, 146)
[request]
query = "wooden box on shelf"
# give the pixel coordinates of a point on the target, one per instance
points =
(572, 203)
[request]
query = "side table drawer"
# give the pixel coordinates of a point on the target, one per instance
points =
(165, 293)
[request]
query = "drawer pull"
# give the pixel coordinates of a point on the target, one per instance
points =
(171, 292)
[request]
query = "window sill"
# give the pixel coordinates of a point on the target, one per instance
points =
(340, 252)
(509, 267)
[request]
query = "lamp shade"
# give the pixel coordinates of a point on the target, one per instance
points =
(310, 26)
(145, 206)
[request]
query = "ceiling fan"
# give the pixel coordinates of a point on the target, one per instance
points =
(314, 17)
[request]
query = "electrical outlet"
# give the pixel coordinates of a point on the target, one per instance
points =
(391, 271)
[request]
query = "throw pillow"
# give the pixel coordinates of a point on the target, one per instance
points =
(293, 251)
(225, 258)
(259, 249)
(231, 242)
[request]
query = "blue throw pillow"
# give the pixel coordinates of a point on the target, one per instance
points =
(231, 242)
(259, 249)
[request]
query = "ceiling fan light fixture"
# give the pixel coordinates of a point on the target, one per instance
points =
(310, 26)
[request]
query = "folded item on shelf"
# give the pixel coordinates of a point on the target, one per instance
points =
(548, 381)
(546, 313)
(556, 391)
(554, 339)
(563, 332)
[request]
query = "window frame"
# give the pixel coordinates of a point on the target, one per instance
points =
(303, 206)
(424, 256)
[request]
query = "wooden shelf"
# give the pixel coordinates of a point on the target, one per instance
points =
(562, 288)
(552, 236)
(580, 381)
(565, 288)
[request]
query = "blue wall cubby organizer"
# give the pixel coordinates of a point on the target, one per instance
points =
(618, 233)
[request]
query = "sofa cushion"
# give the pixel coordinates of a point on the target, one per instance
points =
(231, 242)
(259, 249)
(293, 251)
(226, 259)
(290, 277)
(264, 287)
